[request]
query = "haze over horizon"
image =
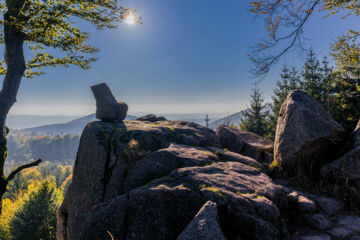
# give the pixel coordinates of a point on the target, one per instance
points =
(177, 61)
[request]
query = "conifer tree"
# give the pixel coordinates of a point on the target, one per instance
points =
(312, 77)
(289, 80)
(294, 81)
(346, 87)
(327, 83)
(36, 219)
(256, 118)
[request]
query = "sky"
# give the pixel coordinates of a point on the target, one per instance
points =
(187, 57)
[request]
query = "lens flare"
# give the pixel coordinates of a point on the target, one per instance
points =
(130, 18)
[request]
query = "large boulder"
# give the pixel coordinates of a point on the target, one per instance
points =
(248, 205)
(245, 143)
(108, 151)
(107, 108)
(205, 225)
(306, 135)
(346, 169)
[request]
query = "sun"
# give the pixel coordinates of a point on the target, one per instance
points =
(130, 18)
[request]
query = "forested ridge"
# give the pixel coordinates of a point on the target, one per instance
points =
(55, 149)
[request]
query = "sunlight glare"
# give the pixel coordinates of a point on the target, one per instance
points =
(130, 18)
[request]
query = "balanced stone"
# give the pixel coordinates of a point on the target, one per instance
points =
(107, 108)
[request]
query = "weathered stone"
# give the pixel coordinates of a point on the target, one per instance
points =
(162, 209)
(329, 205)
(105, 220)
(347, 227)
(316, 237)
(105, 153)
(319, 221)
(357, 135)
(151, 118)
(245, 143)
(161, 163)
(235, 157)
(107, 108)
(346, 169)
(305, 135)
(293, 196)
(351, 222)
(305, 204)
(340, 232)
(204, 226)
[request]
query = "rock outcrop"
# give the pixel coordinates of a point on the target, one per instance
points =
(163, 208)
(346, 169)
(246, 143)
(107, 108)
(106, 155)
(172, 180)
(205, 225)
(306, 135)
(151, 118)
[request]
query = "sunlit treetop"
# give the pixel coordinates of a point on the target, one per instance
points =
(284, 22)
(52, 26)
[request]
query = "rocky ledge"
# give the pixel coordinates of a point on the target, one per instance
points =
(162, 179)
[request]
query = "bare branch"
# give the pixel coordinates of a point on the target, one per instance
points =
(280, 15)
(19, 169)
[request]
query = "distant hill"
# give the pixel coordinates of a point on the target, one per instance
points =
(21, 121)
(233, 119)
(73, 127)
(228, 120)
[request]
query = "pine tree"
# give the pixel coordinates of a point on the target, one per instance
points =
(327, 83)
(36, 219)
(256, 118)
(312, 77)
(294, 81)
(346, 87)
(289, 80)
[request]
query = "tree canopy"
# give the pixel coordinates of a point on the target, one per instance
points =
(284, 22)
(51, 30)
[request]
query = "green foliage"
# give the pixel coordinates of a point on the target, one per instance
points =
(289, 80)
(345, 105)
(256, 118)
(24, 187)
(36, 218)
(285, 22)
(59, 173)
(55, 149)
(54, 25)
(312, 77)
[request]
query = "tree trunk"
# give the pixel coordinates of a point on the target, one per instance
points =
(15, 61)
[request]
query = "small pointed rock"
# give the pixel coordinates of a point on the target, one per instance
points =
(107, 108)
(204, 226)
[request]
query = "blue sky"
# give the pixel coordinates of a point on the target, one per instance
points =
(187, 57)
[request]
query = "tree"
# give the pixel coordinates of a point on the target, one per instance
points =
(285, 21)
(256, 118)
(289, 80)
(312, 82)
(45, 26)
(327, 83)
(346, 87)
(36, 219)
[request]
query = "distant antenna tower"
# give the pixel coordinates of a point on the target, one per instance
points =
(207, 120)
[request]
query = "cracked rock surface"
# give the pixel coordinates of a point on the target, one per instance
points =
(171, 180)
